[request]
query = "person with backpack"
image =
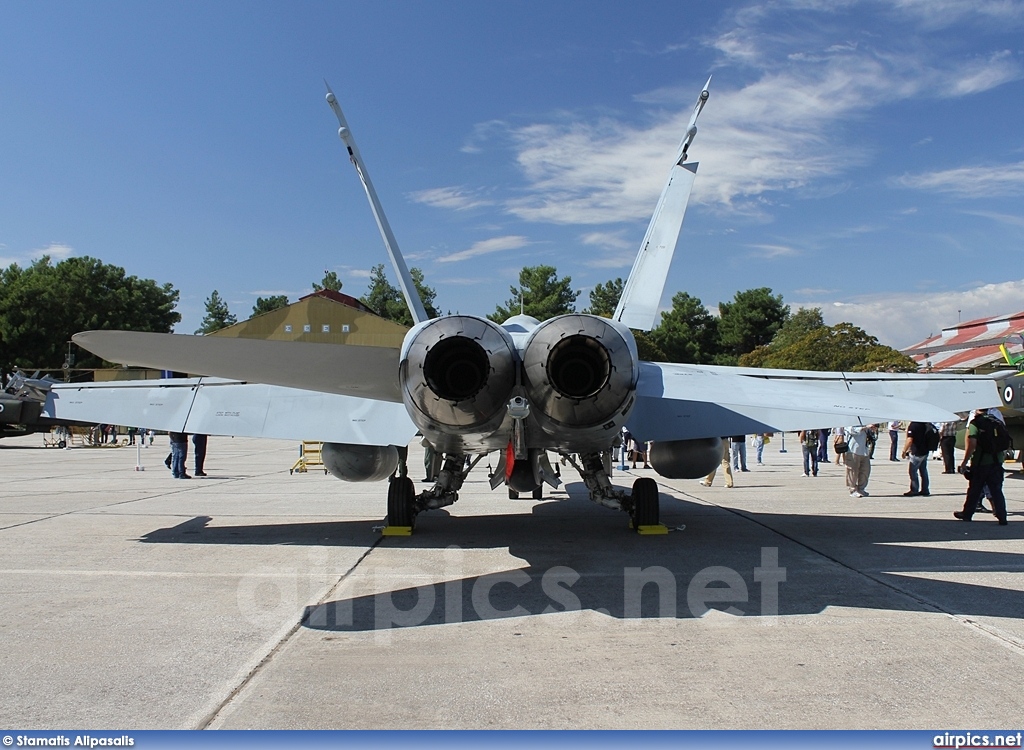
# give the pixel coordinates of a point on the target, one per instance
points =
(809, 445)
(918, 444)
(987, 442)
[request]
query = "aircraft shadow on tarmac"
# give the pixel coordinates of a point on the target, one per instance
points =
(581, 556)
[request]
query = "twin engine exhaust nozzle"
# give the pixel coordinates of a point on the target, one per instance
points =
(466, 373)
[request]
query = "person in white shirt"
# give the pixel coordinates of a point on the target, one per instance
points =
(858, 460)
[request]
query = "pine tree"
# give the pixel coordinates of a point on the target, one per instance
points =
(217, 314)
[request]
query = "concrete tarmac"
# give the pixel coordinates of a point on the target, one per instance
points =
(258, 599)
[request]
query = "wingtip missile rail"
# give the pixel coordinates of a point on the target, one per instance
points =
(691, 127)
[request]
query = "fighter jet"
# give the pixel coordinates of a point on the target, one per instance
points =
(517, 392)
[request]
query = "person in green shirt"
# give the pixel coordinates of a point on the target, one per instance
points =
(986, 468)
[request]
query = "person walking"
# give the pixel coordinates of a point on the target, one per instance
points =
(947, 444)
(739, 452)
(726, 467)
(759, 440)
(858, 459)
(179, 454)
(894, 439)
(199, 451)
(984, 452)
(839, 436)
(823, 446)
(809, 448)
(916, 448)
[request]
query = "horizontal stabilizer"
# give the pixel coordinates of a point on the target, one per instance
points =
(364, 371)
(682, 402)
(219, 407)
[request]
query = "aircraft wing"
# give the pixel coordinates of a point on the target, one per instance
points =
(214, 406)
(363, 371)
(681, 402)
(950, 391)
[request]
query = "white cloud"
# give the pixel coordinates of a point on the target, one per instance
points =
(486, 247)
(936, 14)
(1016, 221)
(903, 319)
(981, 75)
(970, 182)
(609, 240)
(784, 130)
(56, 250)
(455, 198)
(770, 252)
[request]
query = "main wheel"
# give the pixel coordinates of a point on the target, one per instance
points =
(645, 502)
(401, 502)
(538, 493)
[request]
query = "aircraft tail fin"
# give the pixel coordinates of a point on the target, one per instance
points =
(412, 297)
(641, 295)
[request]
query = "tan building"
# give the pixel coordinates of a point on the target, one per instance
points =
(323, 317)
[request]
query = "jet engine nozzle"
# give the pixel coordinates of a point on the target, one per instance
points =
(580, 369)
(458, 372)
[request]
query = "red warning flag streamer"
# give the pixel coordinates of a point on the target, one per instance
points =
(510, 460)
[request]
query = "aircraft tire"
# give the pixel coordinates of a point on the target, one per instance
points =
(645, 502)
(401, 498)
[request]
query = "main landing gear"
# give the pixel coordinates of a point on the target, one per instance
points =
(404, 504)
(642, 504)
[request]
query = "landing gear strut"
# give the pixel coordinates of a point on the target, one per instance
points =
(642, 505)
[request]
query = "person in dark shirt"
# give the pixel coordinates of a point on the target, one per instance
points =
(179, 453)
(916, 448)
(199, 451)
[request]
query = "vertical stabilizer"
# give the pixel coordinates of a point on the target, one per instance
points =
(638, 306)
(412, 297)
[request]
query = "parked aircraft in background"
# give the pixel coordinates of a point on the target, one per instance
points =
(521, 389)
(22, 406)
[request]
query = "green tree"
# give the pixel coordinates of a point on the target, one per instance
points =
(217, 314)
(604, 298)
(387, 300)
(843, 347)
(688, 332)
(329, 281)
(540, 293)
(263, 306)
(43, 305)
(751, 320)
(646, 349)
(802, 322)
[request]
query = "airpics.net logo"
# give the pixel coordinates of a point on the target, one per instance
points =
(384, 598)
(968, 740)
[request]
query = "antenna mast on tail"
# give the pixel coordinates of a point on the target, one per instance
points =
(412, 297)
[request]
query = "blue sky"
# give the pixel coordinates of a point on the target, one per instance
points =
(863, 156)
